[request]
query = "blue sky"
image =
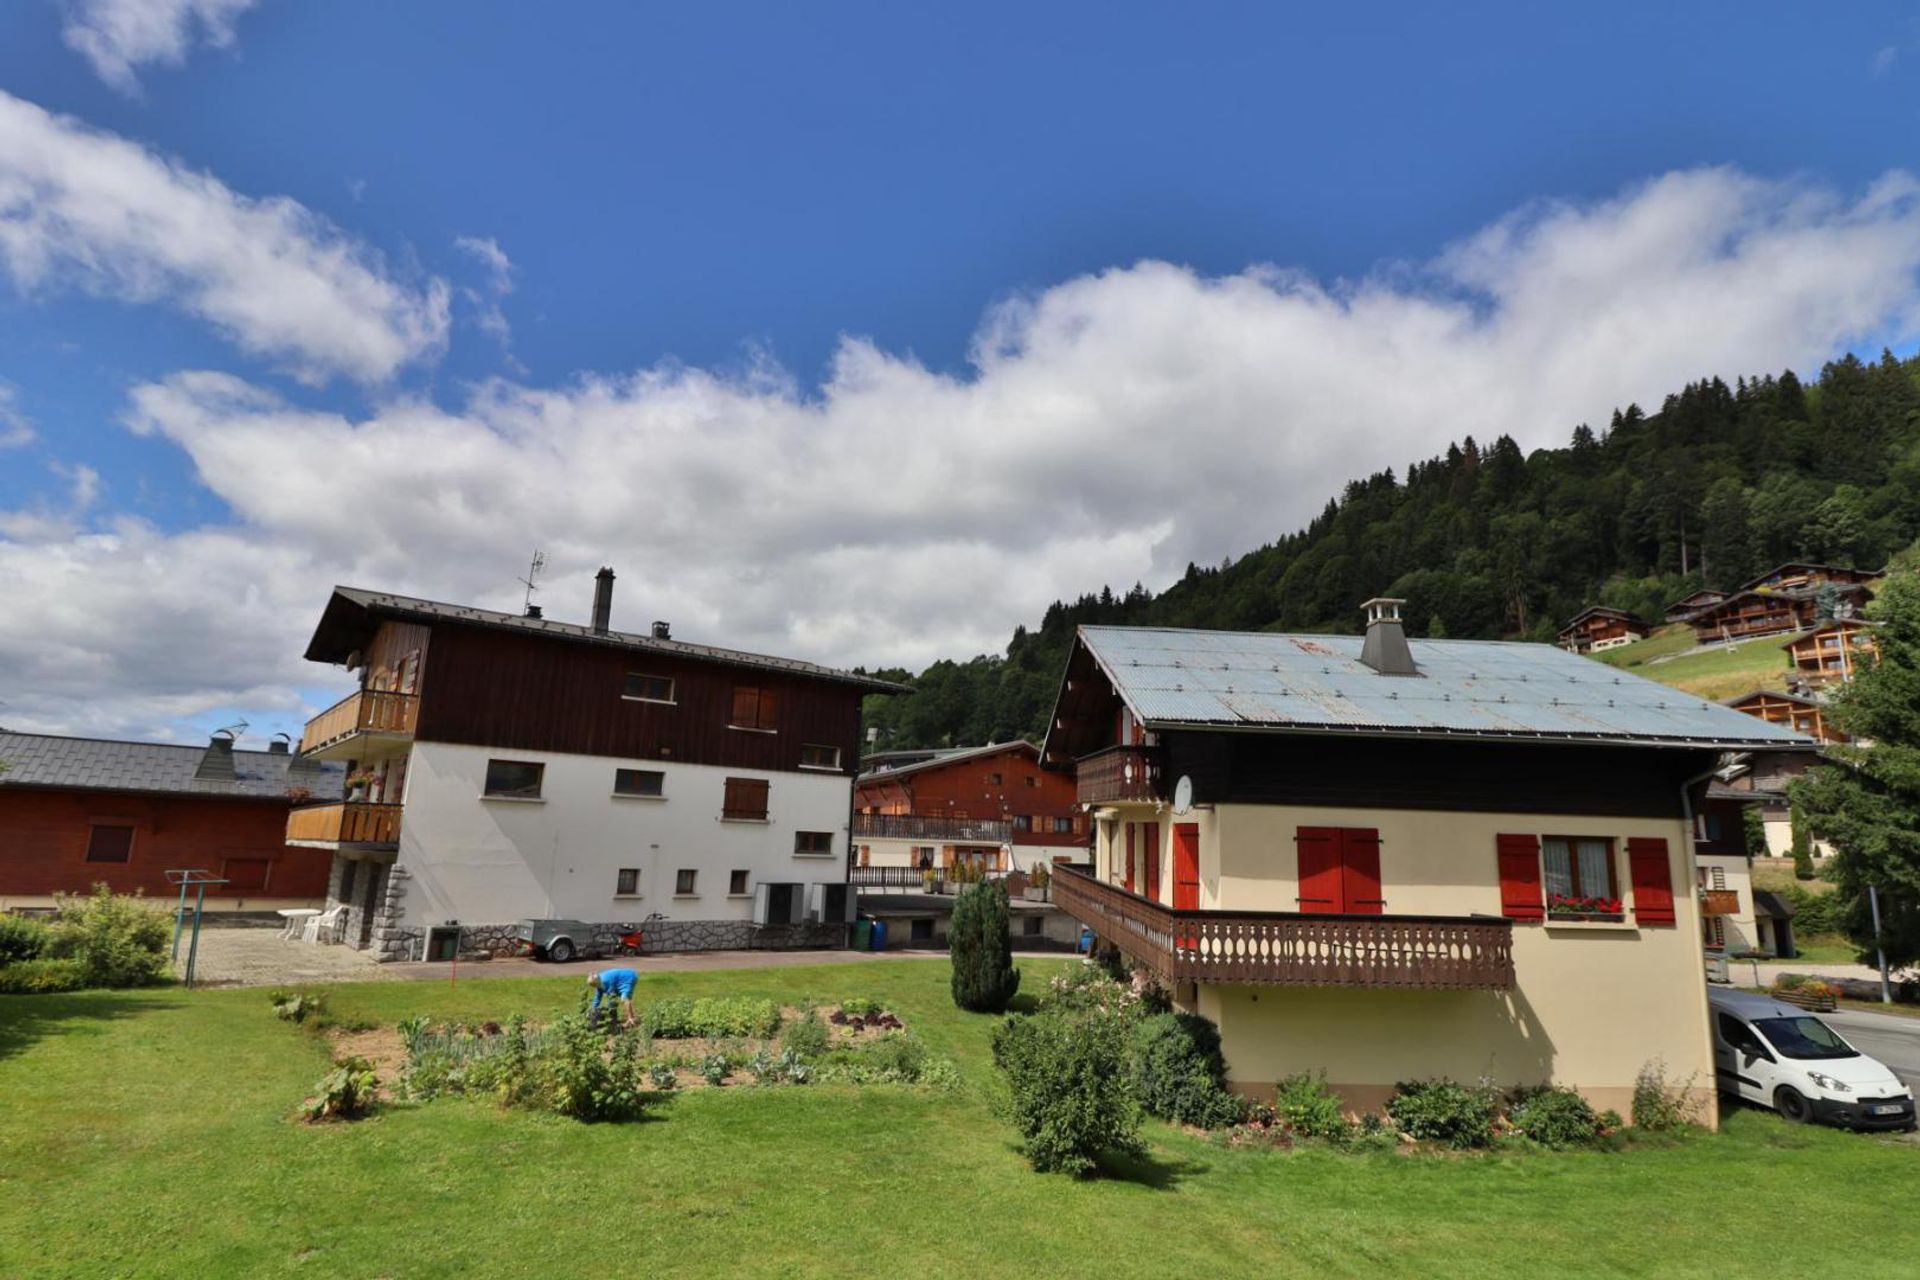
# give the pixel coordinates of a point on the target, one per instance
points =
(715, 200)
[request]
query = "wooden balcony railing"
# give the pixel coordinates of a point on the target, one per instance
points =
(345, 822)
(935, 830)
(1447, 953)
(1719, 902)
(368, 711)
(1119, 773)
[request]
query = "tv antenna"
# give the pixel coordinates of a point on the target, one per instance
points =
(531, 581)
(234, 731)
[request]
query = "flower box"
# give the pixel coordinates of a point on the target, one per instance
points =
(1562, 906)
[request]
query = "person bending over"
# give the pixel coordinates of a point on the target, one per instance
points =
(617, 983)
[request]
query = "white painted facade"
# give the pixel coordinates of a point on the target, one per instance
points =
(484, 860)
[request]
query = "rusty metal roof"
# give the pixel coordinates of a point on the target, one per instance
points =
(1174, 678)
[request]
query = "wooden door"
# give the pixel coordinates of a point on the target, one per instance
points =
(1186, 866)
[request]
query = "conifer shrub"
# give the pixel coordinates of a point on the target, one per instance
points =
(981, 946)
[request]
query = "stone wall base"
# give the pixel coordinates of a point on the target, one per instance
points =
(396, 942)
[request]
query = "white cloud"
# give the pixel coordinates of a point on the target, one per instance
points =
(486, 300)
(85, 209)
(15, 428)
(1112, 428)
(117, 36)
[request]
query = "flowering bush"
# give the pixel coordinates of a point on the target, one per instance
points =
(1573, 904)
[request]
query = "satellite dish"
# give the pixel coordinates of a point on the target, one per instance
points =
(1183, 795)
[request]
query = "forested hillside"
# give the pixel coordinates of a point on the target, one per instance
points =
(1485, 542)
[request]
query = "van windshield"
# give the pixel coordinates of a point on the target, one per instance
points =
(1805, 1038)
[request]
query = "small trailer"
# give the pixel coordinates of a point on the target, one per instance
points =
(556, 940)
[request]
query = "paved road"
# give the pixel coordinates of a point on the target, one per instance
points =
(1892, 1039)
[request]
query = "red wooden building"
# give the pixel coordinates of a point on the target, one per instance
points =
(989, 805)
(75, 812)
(1601, 627)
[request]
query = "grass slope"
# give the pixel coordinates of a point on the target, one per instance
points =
(147, 1134)
(1714, 672)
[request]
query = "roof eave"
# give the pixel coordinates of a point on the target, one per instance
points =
(1486, 735)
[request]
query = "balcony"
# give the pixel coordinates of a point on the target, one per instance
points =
(932, 830)
(1119, 774)
(370, 711)
(1275, 948)
(352, 822)
(1719, 902)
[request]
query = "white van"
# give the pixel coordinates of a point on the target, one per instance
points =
(1785, 1059)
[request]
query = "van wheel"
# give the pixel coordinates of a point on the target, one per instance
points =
(1788, 1102)
(560, 951)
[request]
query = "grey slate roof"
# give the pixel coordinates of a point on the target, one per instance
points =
(95, 764)
(391, 605)
(1175, 678)
(946, 756)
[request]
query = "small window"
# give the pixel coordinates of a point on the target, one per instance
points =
(993, 779)
(514, 779)
(815, 756)
(1032, 781)
(1063, 826)
(626, 882)
(813, 843)
(1023, 822)
(110, 844)
(1579, 874)
(920, 931)
(1031, 925)
(745, 800)
(755, 707)
(638, 782)
(645, 688)
(737, 883)
(684, 881)
(245, 875)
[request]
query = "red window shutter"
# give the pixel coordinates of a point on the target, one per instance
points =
(1149, 853)
(746, 705)
(768, 713)
(1152, 873)
(1360, 881)
(1129, 877)
(1520, 897)
(1652, 880)
(1319, 852)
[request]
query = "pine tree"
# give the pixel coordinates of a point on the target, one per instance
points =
(1802, 846)
(1866, 802)
(981, 945)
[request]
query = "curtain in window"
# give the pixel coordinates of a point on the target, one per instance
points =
(1558, 859)
(1594, 880)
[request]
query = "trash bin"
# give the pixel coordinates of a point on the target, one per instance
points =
(1085, 945)
(879, 935)
(862, 934)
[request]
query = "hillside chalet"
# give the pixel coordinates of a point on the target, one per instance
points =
(505, 767)
(1785, 599)
(1832, 651)
(1686, 606)
(1599, 627)
(1389, 860)
(1803, 715)
(993, 807)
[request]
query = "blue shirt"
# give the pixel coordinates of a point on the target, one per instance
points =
(614, 982)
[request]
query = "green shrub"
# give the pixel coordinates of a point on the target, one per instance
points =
(984, 979)
(1306, 1107)
(1553, 1116)
(1453, 1115)
(120, 940)
(807, 1037)
(711, 1018)
(1802, 847)
(714, 1068)
(1084, 988)
(345, 1093)
(297, 1006)
(41, 977)
(578, 1077)
(1177, 1071)
(1070, 1099)
(861, 1007)
(662, 1077)
(1373, 1133)
(1660, 1105)
(22, 938)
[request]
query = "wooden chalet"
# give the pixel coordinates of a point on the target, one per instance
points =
(1802, 577)
(1803, 715)
(1686, 606)
(1601, 627)
(1832, 651)
(993, 807)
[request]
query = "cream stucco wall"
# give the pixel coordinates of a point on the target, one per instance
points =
(493, 861)
(1592, 1003)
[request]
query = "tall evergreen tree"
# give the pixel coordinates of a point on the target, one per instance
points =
(980, 943)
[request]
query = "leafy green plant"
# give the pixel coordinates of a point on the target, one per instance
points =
(1177, 1071)
(981, 944)
(711, 1018)
(581, 1079)
(1554, 1116)
(344, 1093)
(41, 977)
(120, 940)
(412, 1029)
(861, 1007)
(1441, 1111)
(22, 938)
(1659, 1104)
(662, 1077)
(297, 1006)
(793, 1069)
(1305, 1106)
(714, 1068)
(1070, 1099)
(807, 1037)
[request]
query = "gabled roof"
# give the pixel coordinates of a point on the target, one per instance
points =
(353, 614)
(95, 764)
(1602, 610)
(941, 759)
(1831, 624)
(1782, 694)
(1751, 583)
(1185, 679)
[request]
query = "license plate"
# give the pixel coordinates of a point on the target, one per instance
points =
(1888, 1109)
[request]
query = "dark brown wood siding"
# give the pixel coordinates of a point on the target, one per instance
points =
(495, 689)
(1397, 773)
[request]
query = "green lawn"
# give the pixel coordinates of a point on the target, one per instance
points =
(146, 1134)
(1717, 672)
